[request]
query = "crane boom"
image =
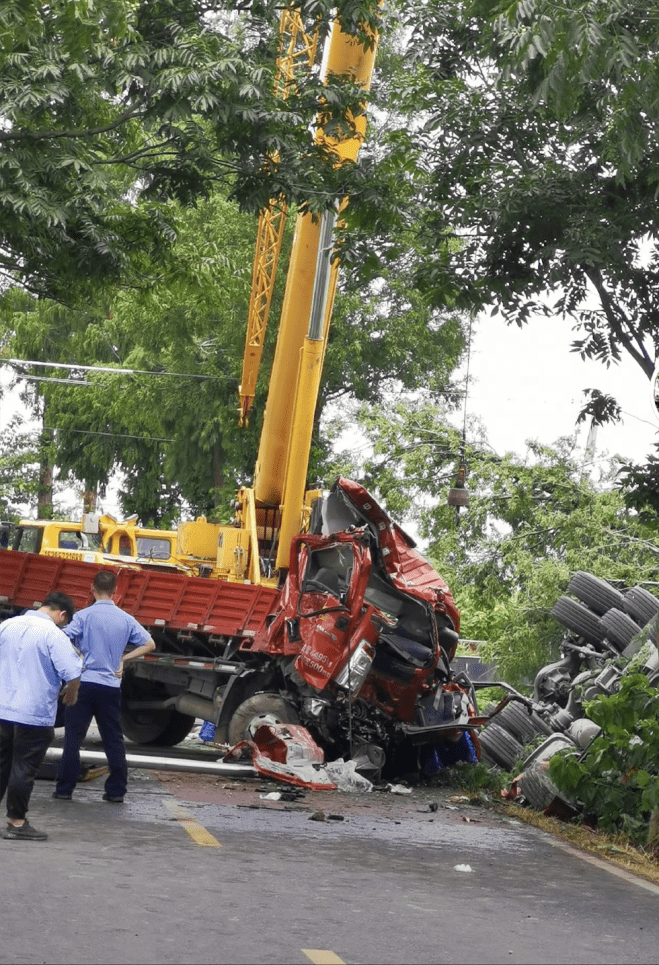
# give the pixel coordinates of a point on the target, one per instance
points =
(281, 468)
(297, 50)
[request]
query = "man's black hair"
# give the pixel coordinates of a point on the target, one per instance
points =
(60, 601)
(105, 582)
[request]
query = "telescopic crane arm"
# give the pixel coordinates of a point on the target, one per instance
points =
(297, 50)
(283, 458)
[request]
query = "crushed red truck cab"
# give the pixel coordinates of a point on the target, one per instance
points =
(364, 631)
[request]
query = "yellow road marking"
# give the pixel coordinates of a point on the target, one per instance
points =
(320, 956)
(197, 831)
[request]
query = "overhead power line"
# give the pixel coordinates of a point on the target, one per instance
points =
(45, 378)
(113, 435)
(114, 371)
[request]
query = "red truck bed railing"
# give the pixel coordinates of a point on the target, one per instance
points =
(155, 599)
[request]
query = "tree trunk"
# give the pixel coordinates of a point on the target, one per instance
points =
(89, 498)
(45, 494)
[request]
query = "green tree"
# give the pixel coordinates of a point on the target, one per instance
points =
(177, 349)
(531, 521)
(530, 134)
(176, 437)
(19, 465)
(107, 114)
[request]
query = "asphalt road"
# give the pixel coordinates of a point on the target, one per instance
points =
(198, 869)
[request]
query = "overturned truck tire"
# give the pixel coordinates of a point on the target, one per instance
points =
(595, 593)
(641, 605)
(523, 726)
(499, 747)
(578, 619)
(620, 628)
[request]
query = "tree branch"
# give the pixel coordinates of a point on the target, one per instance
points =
(615, 322)
(90, 132)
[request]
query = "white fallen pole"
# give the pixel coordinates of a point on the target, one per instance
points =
(221, 768)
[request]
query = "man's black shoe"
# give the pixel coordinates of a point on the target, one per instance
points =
(113, 800)
(24, 833)
(62, 797)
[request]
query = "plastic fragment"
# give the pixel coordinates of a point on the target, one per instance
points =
(344, 775)
(462, 867)
(398, 789)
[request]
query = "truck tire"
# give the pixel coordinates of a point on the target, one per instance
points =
(538, 788)
(595, 593)
(523, 726)
(267, 708)
(620, 628)
(641, 605)
(578, 619)
(177, 729)
(159, 728)
(500, 747)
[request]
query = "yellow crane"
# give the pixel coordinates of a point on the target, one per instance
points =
(274, 509)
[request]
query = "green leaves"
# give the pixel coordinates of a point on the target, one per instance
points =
(534, 133)
(617, 779)
(104, 107)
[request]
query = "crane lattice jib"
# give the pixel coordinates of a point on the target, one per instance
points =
(297, 51)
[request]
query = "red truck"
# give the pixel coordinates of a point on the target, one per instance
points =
(356, 645)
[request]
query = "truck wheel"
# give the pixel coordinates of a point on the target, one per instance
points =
(620, 628)
(177, 729)
(595, 593)
(159, 728)
(641, 605)
(578, 619)
(260, 709)
(500, 747)
(537, 787)
(522, 725)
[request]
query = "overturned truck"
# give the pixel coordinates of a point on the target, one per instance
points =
(356, 645)
(608, 633)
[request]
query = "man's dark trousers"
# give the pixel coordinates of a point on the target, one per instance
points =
(22, 750)
(103, 703)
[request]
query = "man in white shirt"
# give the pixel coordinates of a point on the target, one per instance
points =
(36, 658)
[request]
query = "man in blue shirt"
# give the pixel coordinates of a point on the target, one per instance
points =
(36, 658)
(102, 631)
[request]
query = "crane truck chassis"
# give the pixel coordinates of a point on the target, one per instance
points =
(356, 645)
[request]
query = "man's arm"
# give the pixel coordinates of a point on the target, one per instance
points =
(73, 630)
(70, 692)
(132, 654)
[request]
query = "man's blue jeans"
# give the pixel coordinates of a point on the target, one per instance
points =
(103, 703)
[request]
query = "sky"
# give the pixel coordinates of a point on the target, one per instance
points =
(527, 384)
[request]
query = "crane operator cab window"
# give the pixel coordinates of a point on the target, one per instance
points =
(75, 540)
(28, 539)
(153, 549)
(70, 541)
